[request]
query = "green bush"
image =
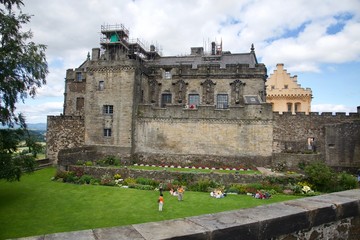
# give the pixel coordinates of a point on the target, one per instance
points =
(141, 187)
(112, 160)
(346, 181)
(129, 181)
(322, 177)
(85, 179)
(89, 163)
(203, 185)
(147, 181)
(108, 161)
(70, 177)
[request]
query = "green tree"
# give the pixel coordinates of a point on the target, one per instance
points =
(12, 165)
(23, 66)
(23, 69)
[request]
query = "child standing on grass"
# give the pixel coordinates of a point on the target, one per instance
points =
(161, 202)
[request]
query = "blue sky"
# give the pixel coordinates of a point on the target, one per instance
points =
(318, 42)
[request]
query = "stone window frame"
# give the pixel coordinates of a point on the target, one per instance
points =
(289, 106)
(167, 75)
(163, 103)
(221, 101)
(190, 103)
(108, 109)
(78, 76)
(107, 132)
(80, 103)
(101, 85)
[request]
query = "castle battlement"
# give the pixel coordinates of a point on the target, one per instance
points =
(339, 115)
(64, 117)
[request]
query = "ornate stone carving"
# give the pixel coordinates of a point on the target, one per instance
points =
(237, 92)
(180, 89)
(208, 91)
(154, 90)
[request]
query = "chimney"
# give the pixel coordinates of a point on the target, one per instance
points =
(95, 55)
(213, 48)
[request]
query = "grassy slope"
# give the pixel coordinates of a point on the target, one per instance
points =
(36, 205)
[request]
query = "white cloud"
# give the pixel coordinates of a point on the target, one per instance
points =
(332, 108)
(35, 113)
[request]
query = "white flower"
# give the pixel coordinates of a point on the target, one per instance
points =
(306, 189)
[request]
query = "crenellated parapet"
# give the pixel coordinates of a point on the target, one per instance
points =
(321, 115)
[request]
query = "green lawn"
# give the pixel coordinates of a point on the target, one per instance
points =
(36, 205)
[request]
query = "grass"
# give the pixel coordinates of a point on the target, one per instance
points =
(36, 205)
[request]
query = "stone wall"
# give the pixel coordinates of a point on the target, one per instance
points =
(204, 136)
(63, 132)
(169, 176)
(71, 156)
(336, 137)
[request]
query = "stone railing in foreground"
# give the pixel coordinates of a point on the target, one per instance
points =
(329, 216)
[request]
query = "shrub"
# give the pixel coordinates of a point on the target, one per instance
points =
(89, 163)
(79, 162)
(147, 181)
(346, 181)
(141, 187)
(129, 181)
(321, 176)
(203, 185)
(108, 161)
(112, 160)
(85, 179)
(117, 176)
(107, 180)
(70, 177)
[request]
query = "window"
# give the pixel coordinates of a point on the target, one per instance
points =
(289, 107)
(107, 132)
(78, 76)
(194, 100)
(79, 103)
(286, 86)
(297, 107)
(101, 85)
(167, 75)
(165, 98)
(108, 109)
(272, 86)
(222, 101)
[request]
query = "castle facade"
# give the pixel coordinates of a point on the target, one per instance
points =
(206, 108)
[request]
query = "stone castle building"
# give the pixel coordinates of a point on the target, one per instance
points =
(206, 108)
(285, 94)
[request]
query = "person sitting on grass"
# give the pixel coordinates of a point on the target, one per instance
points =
(173, 193)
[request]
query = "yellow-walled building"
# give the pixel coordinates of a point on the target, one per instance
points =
(285, 94)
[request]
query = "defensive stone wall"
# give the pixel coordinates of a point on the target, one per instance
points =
(336, 137)
(63, 132)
